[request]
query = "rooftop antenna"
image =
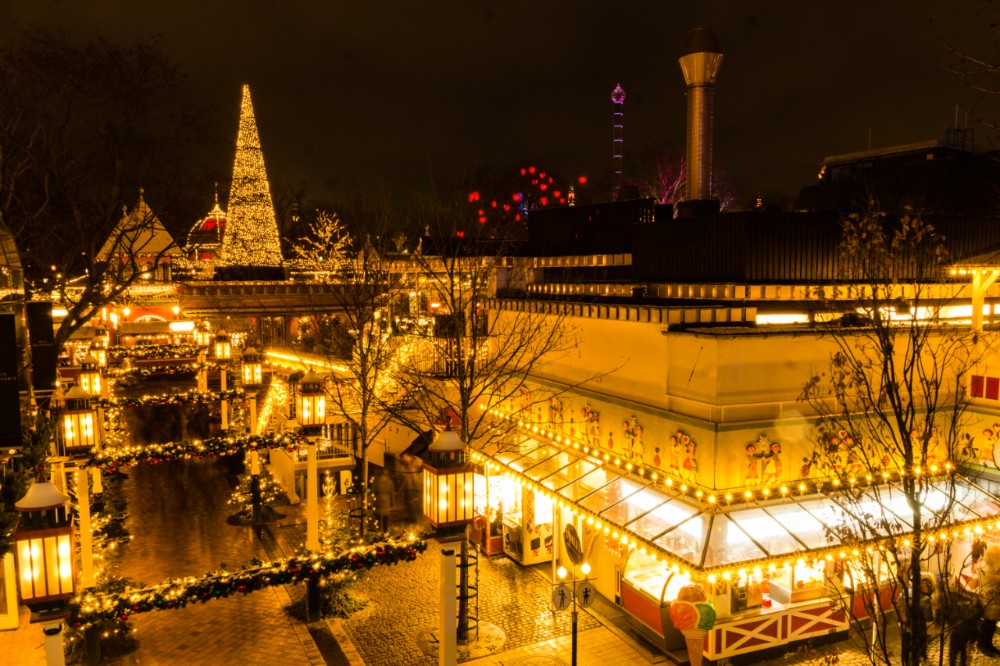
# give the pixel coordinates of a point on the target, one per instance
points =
(618, 98)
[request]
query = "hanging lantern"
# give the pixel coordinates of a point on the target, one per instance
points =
(43, 543)
(90, 376)
(252, 368)
(79, 419)
(448, 485)
(223, 348)
(310, 401)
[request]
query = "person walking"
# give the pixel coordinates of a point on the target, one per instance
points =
(384, 488)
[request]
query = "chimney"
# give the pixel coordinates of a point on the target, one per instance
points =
(700, 62)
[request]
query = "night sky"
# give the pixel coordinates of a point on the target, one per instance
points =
(414, 94)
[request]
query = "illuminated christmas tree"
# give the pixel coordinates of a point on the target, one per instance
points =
(251, 242)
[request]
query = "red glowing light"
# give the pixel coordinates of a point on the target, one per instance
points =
(506, 206)
(517, 196)
(479, 212)
(518, 217)
(493, 203)
(544, 201)
(541, 174)
(582, 179)
(550, 179)
(473, 196)
(482, 219)
(523, 171)
(556, 193)
(534, 182)
(543, 187)
(460, 234)
(531, 169)
(562, 201)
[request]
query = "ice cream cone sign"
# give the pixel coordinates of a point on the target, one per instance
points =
(693, 615)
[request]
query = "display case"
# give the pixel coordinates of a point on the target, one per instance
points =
(527, 525)
(800, 582)
(648, 588)
(487, 528)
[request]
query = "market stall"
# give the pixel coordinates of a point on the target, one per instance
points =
(770, 566)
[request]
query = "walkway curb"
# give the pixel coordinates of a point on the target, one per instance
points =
(344, 641)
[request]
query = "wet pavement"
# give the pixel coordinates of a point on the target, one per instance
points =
(177, 516)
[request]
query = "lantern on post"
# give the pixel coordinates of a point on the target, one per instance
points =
(310, 402)
(252, 368)
(99, 350)
(448, 486)
(79, 431)
(202, 337)
(223, 348)
(46, 559)
(90, 376)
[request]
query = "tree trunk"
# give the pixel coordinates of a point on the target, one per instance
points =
(364, 491)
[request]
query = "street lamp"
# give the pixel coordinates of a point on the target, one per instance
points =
(99, 349)
(223, 348)
(310, 402)
(582, 596)
(90, 376)
(252, 368)
(46, 560)
(448, 486)
(79, 428)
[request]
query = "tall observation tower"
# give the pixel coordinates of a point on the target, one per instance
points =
(618, 98)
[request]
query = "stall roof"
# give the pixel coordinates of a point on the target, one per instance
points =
(705, 536)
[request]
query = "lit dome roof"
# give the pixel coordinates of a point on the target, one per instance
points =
(208, 231)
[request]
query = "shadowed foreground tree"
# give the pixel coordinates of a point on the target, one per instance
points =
(82, 129)
(891, 407)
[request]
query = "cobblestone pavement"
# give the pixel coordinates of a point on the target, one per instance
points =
(404, 600)
(177, 513)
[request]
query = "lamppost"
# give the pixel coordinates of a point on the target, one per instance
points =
(449, 506)
(79, 429)
(580, 595)
(223, 352)
(43, 542)
(310, 409)
(252, 376)
(90, 376)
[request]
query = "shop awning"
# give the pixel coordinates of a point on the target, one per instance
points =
(706, 536)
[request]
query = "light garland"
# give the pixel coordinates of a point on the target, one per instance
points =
(630, 541)
(111, 459)
(146, 352)
(251, 237)
(155, 371)
(177, 593)
(188, 398)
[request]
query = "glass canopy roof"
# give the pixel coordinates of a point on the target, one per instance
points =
(706, 536)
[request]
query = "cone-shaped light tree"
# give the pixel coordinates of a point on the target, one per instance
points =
(252, 240)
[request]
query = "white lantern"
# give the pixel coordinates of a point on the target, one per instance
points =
(43, 543)
(79, 421)
(252, 368)
(223, 348)
(90, 376)
(449, 495)
(310, 401)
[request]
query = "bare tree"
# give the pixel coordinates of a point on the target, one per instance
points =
(481, 350)
(890, 411)
(360, 335)
(82, 129)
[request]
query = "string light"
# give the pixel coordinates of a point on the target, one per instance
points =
(251, 237)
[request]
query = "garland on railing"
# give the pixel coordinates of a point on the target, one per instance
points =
(151, 371)
(177, 593)
(119, 352)
(112, 459)
(188, 398)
